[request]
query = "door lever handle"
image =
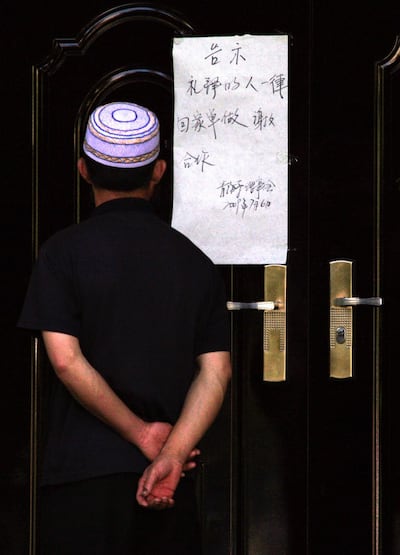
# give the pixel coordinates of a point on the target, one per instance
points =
(356, 301)
(274, 344)
(258, 305)
(341, 318)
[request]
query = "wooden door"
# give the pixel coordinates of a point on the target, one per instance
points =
(303, 466)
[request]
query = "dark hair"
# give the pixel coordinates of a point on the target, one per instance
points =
(118, 179)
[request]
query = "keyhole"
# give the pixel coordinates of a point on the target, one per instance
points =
(340, 335)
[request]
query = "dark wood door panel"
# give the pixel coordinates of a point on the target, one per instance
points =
(289, 467)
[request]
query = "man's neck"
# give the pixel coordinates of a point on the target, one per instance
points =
(104, 195)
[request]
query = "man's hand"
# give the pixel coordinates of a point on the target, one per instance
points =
(156, 487)
(153, 438)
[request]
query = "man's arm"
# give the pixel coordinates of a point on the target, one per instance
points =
(204, 399)
(90, 389)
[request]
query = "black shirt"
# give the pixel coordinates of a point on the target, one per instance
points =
(143, 302)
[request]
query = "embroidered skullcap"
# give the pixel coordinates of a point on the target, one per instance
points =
(122, 135)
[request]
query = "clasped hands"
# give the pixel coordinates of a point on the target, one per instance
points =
(157, 485)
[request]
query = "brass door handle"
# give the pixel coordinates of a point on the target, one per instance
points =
(274, 346)
(341, 318)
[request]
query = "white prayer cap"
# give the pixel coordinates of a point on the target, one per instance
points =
(122, 135)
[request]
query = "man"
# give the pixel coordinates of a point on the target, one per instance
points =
(133, 318)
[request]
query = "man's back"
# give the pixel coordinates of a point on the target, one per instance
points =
(144, 302)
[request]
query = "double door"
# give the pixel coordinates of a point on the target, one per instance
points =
(302, 459)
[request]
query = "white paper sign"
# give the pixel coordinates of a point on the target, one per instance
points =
(231, 146)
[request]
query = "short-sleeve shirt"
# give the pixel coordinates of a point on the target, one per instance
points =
(144, 302)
